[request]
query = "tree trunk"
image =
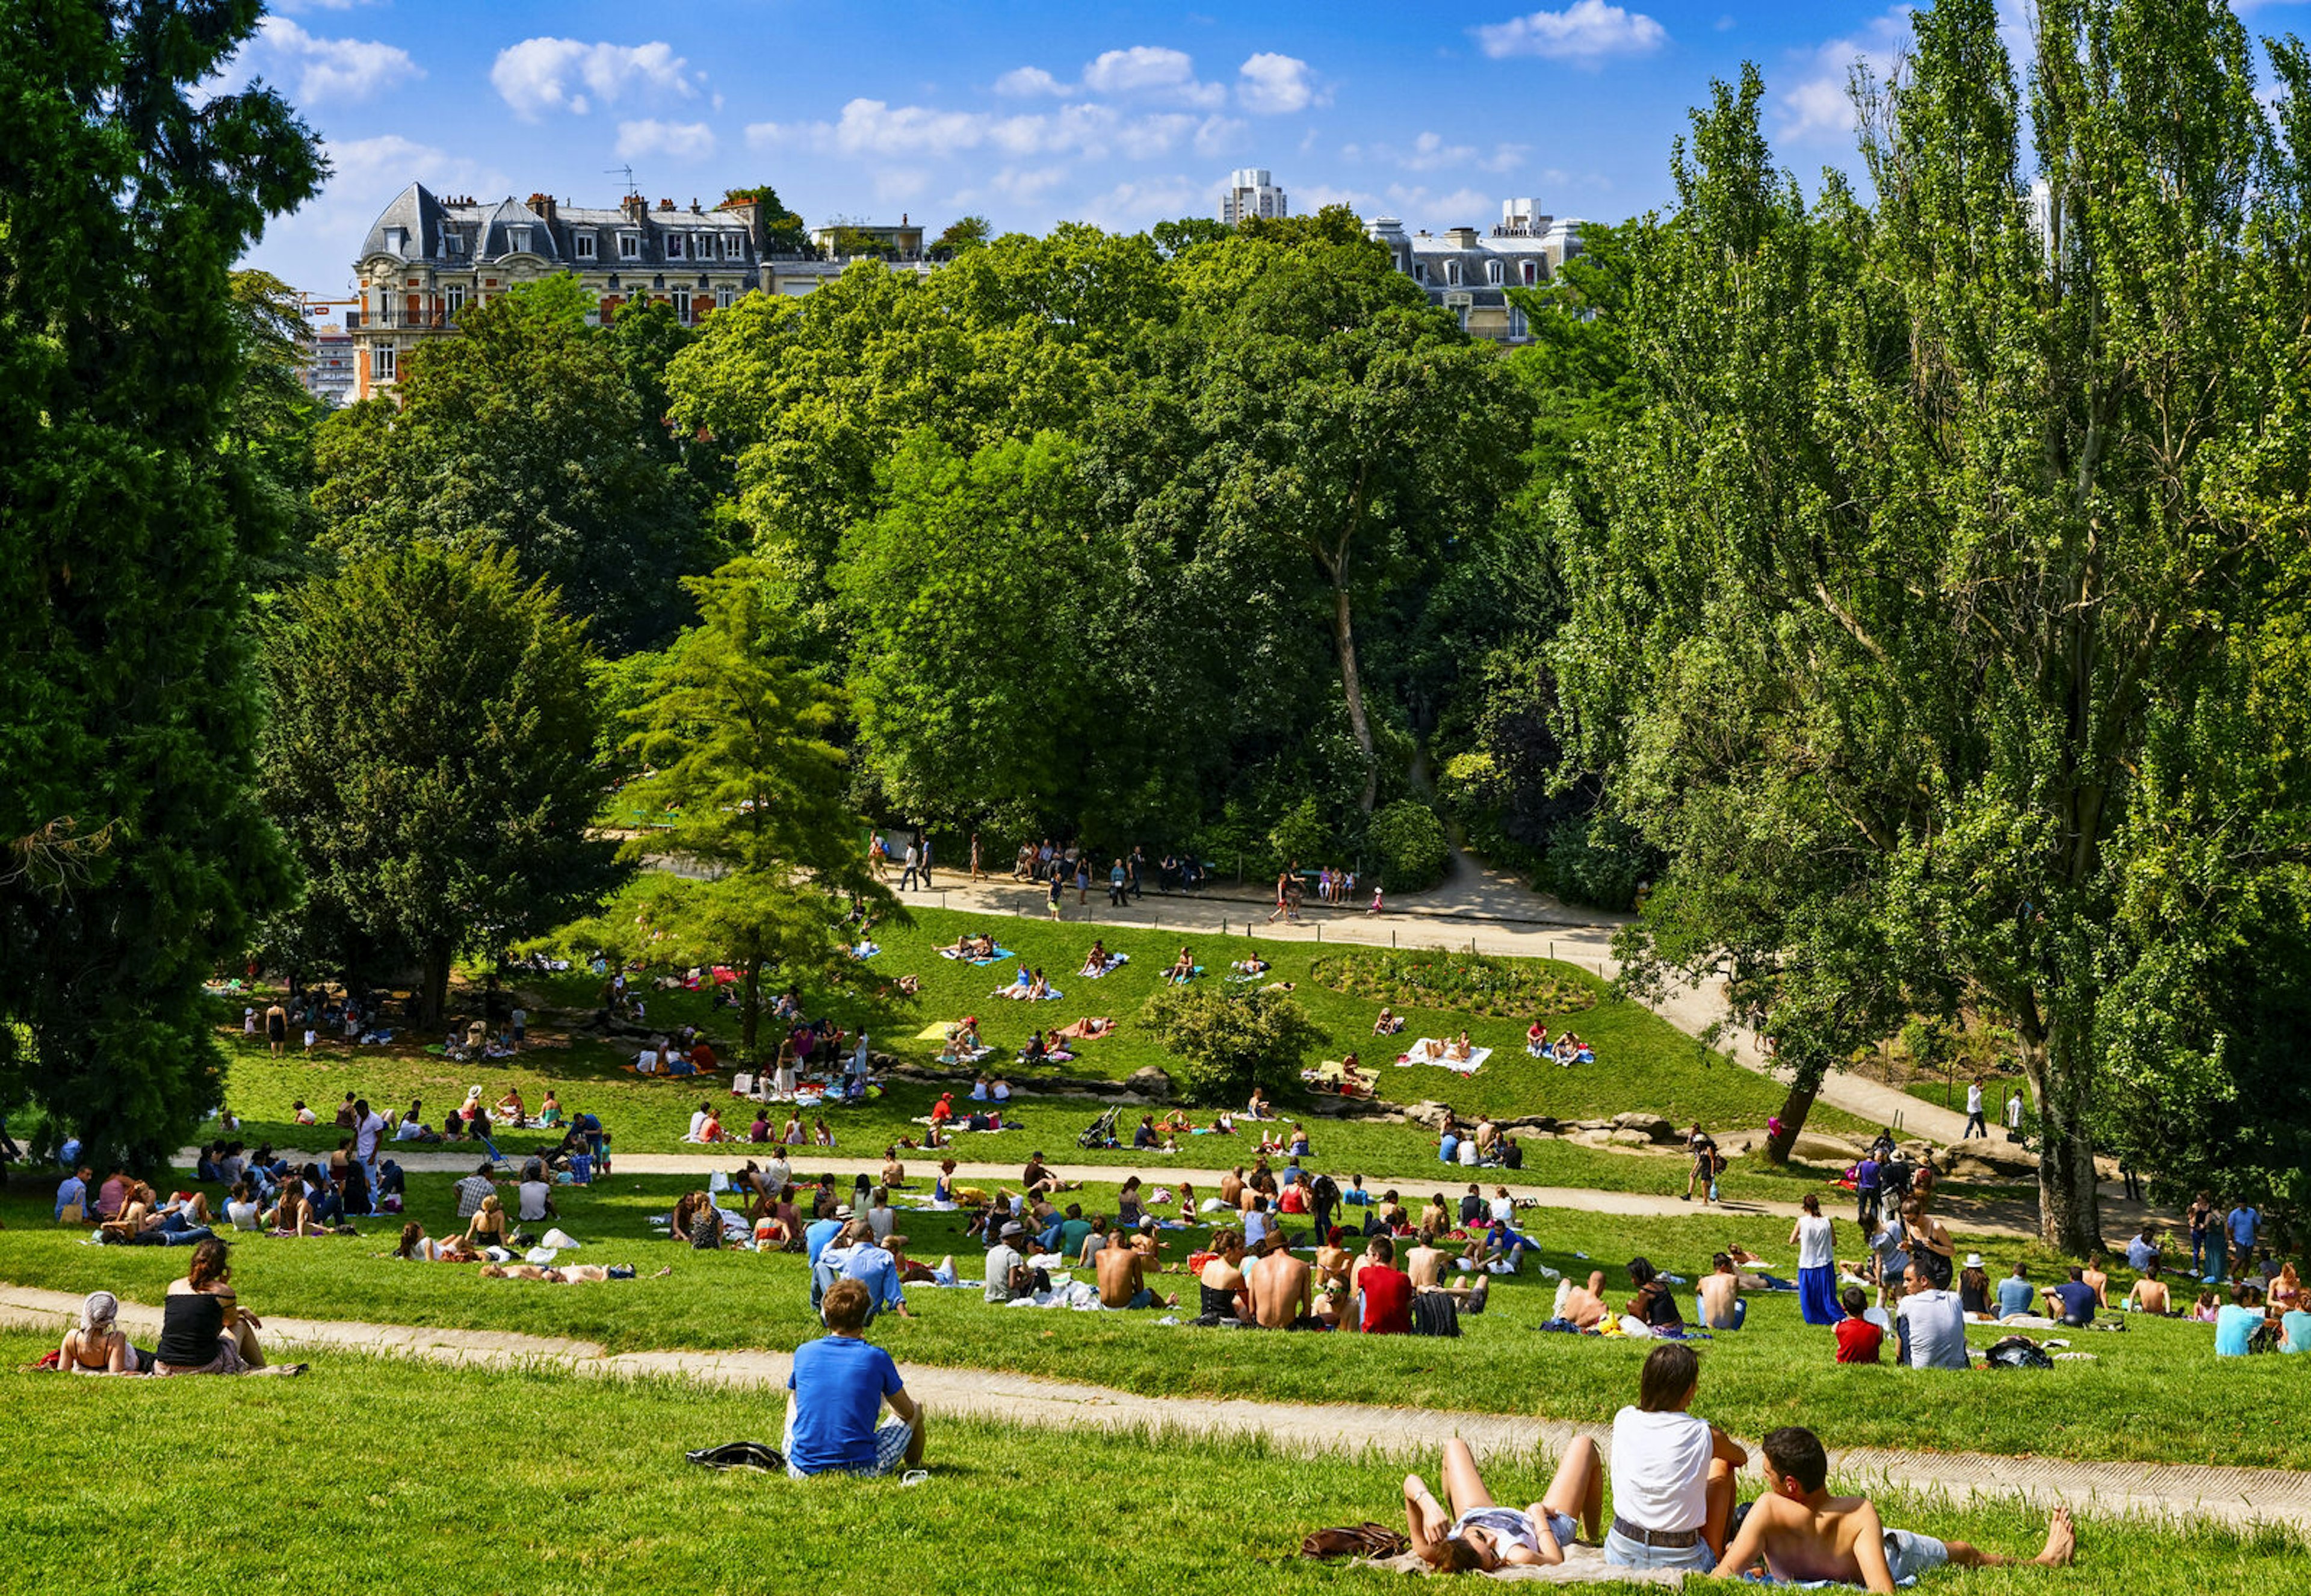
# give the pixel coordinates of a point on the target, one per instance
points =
(2070, 1209)
(433, 987)
(750, 1008)
(1803, 1087)
(1344, 637)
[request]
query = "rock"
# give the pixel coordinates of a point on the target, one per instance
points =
(1812, 1148)
(1740, 1143)
(1150, 1082)
(1542, 1123)
(1652, 1127)
(1429, 1113)
(1591, 1137)
(1628, 1139)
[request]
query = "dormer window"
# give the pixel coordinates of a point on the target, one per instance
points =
(674, 246)
(1493, 271)
(518, 241)
(734, 247)
(629, 246)
(396, 241)
(1452, 273)
(453, 242)
(1531, 274)
(584, 244)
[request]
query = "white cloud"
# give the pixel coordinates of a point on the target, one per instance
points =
(895, 183)
(1215, 134)
(366, 173)
(1028, 186)
(1152, 70)
(874, 127)
(328, 69)
(541, 74)
(1819, 108)
(677, 141)
(1146, 137)
(1130, 206)
(1585, 33)
(1272, 85)
(1430, 153)
(1024, 81)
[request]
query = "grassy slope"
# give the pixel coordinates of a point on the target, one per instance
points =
(1646, 1064)
(1775, 1371)
(580, 1486)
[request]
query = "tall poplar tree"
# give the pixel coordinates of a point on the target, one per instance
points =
(134, 854)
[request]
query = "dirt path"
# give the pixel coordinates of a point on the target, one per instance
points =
(2003, 1220)
(2236, 1497)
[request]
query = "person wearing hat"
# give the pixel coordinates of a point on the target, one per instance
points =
(1009, 1276)
(944, 1109)
(1974, 1290)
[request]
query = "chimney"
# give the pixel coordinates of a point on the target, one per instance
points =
(693, 206)
(635, 207)
(903, 218)
(666, 205)
(543, 204)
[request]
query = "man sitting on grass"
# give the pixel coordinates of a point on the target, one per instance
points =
(1802, 1532)
(840, 1383)
(1123, 1277)
(2072, 1301)
(1930, 1323)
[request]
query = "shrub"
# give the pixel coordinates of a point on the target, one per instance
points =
(1410, 841)
(1596, 861)
(1228, 1040)
(1473, 983)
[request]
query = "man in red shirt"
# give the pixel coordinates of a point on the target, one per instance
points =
(1387, 1291)
(1858, 1340)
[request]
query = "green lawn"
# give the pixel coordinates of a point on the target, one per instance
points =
(372, 1475)
(1645, 1064)
(2153, 1393)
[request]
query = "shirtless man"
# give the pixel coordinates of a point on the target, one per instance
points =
(1720, 1291)
(1585, 1305)
(1283, 1293)
(1120, 1283)
(2150, 1293)
(1425, 1265)
(1803, 1532)
(1231, 1189)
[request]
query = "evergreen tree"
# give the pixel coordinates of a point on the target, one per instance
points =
(134, 854)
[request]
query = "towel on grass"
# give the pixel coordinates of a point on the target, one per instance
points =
(936, 1033)
(1583, 1566)
(1083, 1029)
(1115, 961)
(1417, 1054)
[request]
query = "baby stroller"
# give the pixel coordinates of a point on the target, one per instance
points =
(1101, 1133)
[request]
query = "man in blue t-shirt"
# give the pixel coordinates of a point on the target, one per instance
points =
(840, 1383)
(2015, 1294)
(2242, 1222)
(2072, 1301)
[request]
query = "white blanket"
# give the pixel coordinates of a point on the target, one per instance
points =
(1418, 1053)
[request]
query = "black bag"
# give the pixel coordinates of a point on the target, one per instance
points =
(2019, 1352)
(740, 1454)
(1435, 1314)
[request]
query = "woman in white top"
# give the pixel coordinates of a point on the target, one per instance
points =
(1815, 1237)
(243, 1209)
(1478, 1534)
(1672, 1471)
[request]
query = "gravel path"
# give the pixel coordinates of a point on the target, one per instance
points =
(2236, 1497)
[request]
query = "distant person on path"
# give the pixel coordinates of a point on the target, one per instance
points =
(1703, 1150)
(1117, 880)
(1058, 885)
(976, 871)
(1138, 863)
(840, 1384)
(909, 877)
(1815, 1237)
(1866, 1192)
(1672, 1471)
(2202, 1223)
(1804, 1534)
(1974, 1123)
(1278, 913)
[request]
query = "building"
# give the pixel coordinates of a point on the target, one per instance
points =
(427, 259)
(850, 239)
(1470, 272)
(328, 370)
(1253, 192)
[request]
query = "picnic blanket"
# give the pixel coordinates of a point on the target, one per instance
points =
(1583, 1566)
(933, 1032)
(865, 950)
(1001, 953)
(1417, 1054)
(1115, 961)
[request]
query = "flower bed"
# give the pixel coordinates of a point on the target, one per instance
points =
(1474, 983)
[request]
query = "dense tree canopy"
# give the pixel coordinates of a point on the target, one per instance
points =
(134, 509)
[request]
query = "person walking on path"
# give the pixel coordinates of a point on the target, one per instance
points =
(1973, 1121)
(976, 871)
(1815, 1237)
(2243, 1222)
(1116, 879)
(1866, 1191)
(1276, 913)
(1703, 1150)
(907, 876)
(1138, 863)
(2014, 1114)
(1058, 885)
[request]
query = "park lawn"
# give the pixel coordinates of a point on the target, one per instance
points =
(1645, 1064)
(1775, 1371)
(533, 1478)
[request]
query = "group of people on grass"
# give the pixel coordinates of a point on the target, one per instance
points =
(204, 1329)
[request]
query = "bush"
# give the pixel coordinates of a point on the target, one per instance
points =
(1598, 862)
(1228, 1040)
(1302, 835)
(1410, 841)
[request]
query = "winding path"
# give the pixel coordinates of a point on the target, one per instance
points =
(2240, 1497)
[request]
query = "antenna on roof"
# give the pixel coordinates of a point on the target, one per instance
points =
(633, 192)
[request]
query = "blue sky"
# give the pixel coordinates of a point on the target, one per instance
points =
(1032, 113)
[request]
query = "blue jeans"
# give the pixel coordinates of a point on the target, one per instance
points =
(1623, 1553)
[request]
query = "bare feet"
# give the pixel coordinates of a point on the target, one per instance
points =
(2061, 1540)
(663, 1273)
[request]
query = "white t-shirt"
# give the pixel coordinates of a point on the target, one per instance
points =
(882, 1221)
(1974, 1099)
(534, 1194)
(1467, 1153)
(1814, 1242)
(1661, 1469)
(2014, 1113)
(698, 1119)
(243, 1214)
(1505, 1209)
(371, 1133)
(775, 1175)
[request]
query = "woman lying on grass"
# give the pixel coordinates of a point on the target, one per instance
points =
(1479, 1535)
(417, 1247)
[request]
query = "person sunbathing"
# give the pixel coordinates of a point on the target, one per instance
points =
(1800, 1532)
(820, 1136)
(1480, 1536)
(1182, 970)
(98, 1346)
(570, 1274)
(510, 1109)
(1457, 1050)
(1254, 965)
(417, 1247)
(1038, 989)
(1585, 1305)
(1388, 1024)
(292, 1215)
(1096, 961)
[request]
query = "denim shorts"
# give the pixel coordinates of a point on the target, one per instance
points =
(1623, 1553)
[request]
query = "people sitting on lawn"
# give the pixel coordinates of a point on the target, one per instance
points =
(1259, 1107)
(975, 945)
(1456, 1050)
(1388, 1024)
(1859, 1337)
(204, 1329)
(96, 1345)
(1655, 1304)
(1254, 965)
(2072, 1300)
(1097, 962)
(1673, 1472)
(1182, 970)
(2150, 1295)
(840, 1384)
(1930, 1323)
(1475, 1534)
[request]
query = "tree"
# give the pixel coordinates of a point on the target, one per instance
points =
(783, 232)
(131, 856)
(964, 232)
(734, 736)
(527, 432)
(430, 751)
(1939, 527)
(1228, 1041)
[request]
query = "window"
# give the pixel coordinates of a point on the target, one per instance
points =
(1517, 328)
(583, 243)
(1452, 273)
(682, 304)
(674, 246)
(453, 242)
(1420, 271)
(1531, 273)
(396, 241)
(629, 246)
(734, 247)
(382, 362)
(457, 298)
(721, 298)
(1493, 271)
(518, 239)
